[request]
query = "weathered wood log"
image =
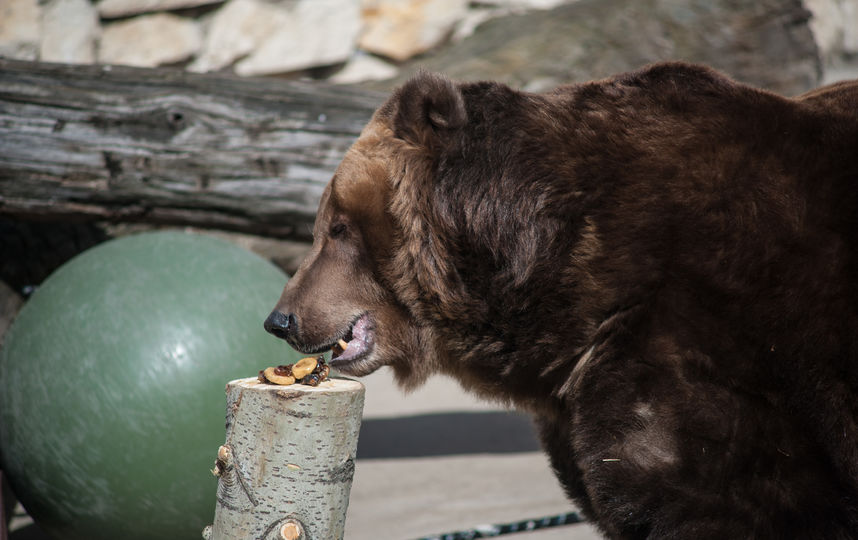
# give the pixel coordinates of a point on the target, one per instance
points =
(165, 146)
(285, 470)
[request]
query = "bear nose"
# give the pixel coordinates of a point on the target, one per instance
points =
(280, 324)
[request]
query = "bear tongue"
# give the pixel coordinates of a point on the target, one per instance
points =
(361, 339)
(360, 331)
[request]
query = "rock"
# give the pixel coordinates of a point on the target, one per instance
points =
(235, 30)
(850, 27)
(526, 4)
(767, 43)
(110, 9)
(826, 23)
(70, 29)
(400, 29)
(308, 33)
(835, 27)
(150, 40)
(19, 29)
(474, 18)
(363, 67)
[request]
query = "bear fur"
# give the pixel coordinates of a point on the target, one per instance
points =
(662, 267)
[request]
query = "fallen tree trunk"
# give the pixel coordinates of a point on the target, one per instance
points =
(162, 146)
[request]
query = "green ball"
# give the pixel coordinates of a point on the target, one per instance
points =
(113, 376)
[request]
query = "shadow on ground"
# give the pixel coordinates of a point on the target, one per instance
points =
(29, 532)
(445, 434)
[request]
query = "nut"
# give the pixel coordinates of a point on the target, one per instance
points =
(271, 375)
(304, 367)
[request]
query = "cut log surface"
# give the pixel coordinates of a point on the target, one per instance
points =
(287, 464)
(165, 146)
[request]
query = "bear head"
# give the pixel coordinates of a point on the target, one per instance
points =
(363, 280)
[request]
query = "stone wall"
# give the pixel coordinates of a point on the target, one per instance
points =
(835, 27)
(346, 41)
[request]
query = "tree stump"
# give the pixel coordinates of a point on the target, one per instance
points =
(286, 467)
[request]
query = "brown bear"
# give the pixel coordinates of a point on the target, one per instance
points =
(662, 267)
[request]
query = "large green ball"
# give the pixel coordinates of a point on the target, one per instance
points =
(113, 375)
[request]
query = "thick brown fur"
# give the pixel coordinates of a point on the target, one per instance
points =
(660, 266)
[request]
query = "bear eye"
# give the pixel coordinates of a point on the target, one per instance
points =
(337, 229)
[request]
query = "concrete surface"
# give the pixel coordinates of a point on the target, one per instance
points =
(438, 461)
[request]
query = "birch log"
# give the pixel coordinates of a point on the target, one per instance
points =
(287, 464)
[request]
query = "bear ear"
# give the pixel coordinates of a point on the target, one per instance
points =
(428, 105)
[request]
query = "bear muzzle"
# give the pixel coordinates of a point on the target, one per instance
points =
(281, 325)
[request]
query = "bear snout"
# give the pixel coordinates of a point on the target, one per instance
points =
(280, 324)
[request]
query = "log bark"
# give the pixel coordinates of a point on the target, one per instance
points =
(163, 146)
(288, 460)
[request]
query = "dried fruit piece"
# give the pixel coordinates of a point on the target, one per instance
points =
(310, 371)
(320, 373)
(277, 375)
(304, 367)
(324, 370)
(312, 379)
(284, 371)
